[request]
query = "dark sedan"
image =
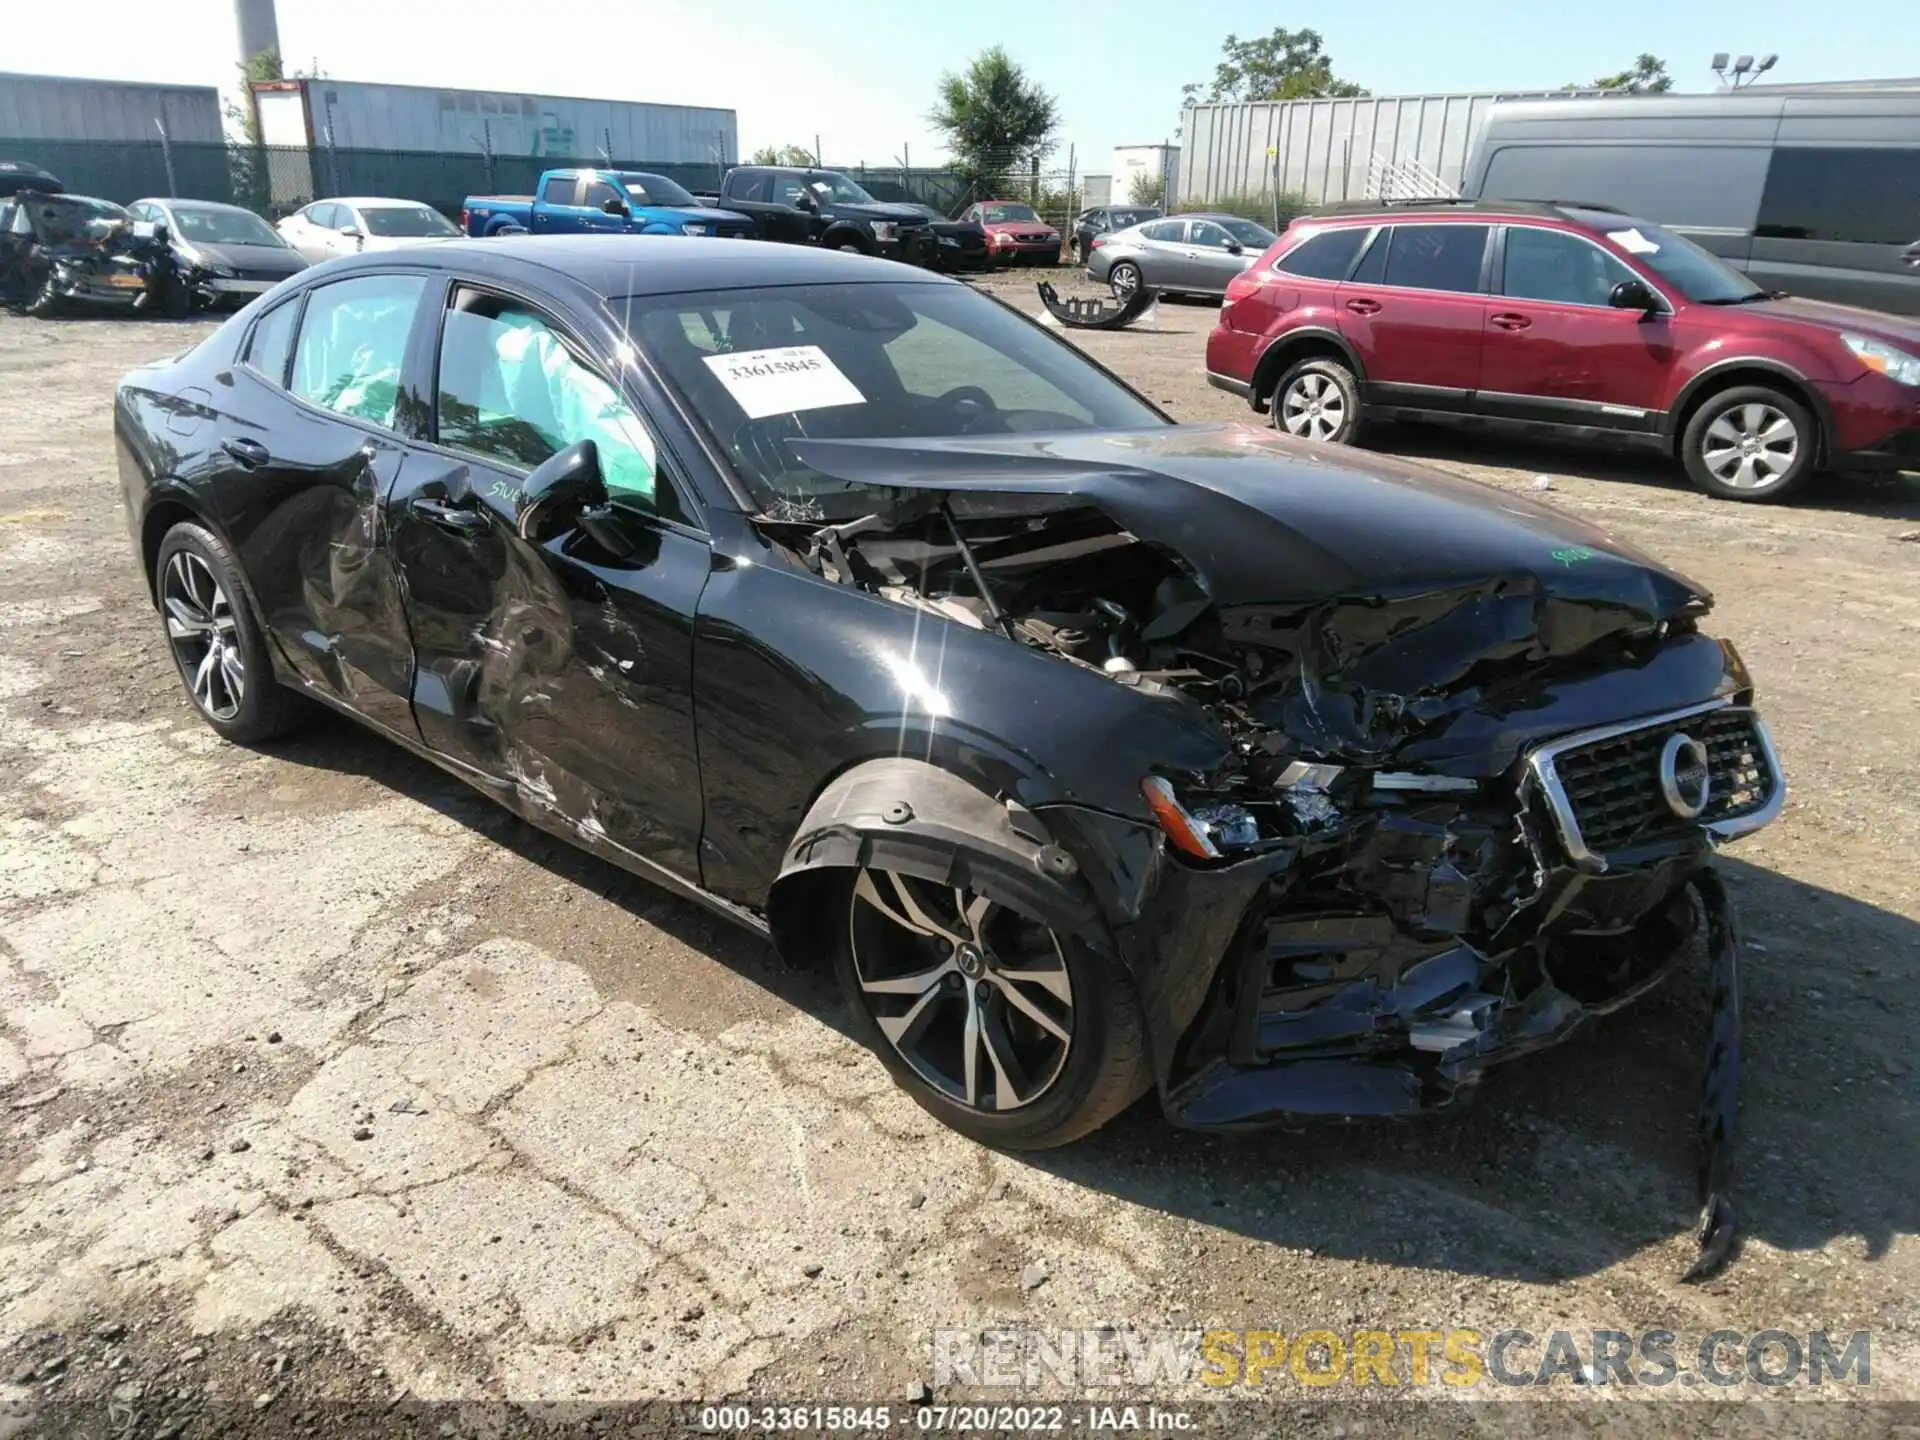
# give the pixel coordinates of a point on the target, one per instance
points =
(1096, 753)
(231, 253)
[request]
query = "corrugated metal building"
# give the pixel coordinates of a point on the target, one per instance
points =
(347, 114)
(57, 107)
(1331, 150)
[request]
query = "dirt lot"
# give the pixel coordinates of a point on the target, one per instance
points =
(323, 1080)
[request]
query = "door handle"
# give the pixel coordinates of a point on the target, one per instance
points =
(1364, 307)
(457, 519)
(250, 453)
(1506, 320)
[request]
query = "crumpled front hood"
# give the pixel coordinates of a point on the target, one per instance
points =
(1266, 519)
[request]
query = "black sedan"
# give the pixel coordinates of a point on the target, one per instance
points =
(1097, 753)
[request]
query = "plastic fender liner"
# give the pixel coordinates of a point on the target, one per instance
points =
(1720, 1086)
(918, 819)
(1097, 314)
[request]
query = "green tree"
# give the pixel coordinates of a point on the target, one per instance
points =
(1647, 76)
(783, 155)
(994, 117)
(1286, 65)
(1146, 188)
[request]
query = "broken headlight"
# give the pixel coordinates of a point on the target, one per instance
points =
(1207, 831)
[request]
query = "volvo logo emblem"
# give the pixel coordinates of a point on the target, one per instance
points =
(1684, 776)
(971, 962)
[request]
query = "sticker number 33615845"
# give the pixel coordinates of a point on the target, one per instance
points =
(778, 382)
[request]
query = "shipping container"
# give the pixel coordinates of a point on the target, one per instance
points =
(349, 115)
(58, 107)
(1160, 164)
(1326, 150)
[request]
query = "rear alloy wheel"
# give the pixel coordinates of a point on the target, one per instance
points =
(1749, 443)
(1123, 280)
(1317, 399)
(222, 656)
(1003, 1029)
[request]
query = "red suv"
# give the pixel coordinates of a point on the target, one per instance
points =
(1568, 316)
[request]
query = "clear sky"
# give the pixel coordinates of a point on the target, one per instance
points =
(861, 73)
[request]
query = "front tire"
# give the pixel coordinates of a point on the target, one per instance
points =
(998, 1027)
(1750, 443)
(1317, 399)
(46, 301)
(216, 642)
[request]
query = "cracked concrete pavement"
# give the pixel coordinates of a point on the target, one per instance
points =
(312, 1042)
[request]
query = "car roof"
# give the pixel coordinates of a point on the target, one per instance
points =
(362, 202)
(621, 265)
(175, 202)
(1580, 212)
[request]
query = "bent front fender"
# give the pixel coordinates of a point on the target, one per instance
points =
(917, 819)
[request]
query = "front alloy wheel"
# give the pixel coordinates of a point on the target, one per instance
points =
(205, 636)
(1749, 443)
(1008, 1031)
(975, 999)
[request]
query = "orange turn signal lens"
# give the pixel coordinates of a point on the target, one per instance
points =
(1179, 826)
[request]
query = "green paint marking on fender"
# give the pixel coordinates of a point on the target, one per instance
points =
(1572, 555)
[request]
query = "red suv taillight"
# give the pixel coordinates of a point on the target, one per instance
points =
(1242, 285)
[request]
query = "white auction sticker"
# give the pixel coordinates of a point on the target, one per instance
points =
(1633, 242)
(778, 382)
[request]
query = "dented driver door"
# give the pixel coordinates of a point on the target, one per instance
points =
(556, 668)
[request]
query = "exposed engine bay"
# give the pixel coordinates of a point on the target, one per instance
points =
(1421, 873)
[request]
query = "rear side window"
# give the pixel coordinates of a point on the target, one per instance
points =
(1855, 197)
(272, 341)
(324, 215)
(558, 190)
(1705, 186)
(1170, 230)
(353, 343)
(1556, 266)
(1326, 256)
(1437, 257)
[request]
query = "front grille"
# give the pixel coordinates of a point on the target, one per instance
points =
(1032, 239)
(1607, 795)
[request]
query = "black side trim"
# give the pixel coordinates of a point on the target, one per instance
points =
(1230, 385)
(1561, 410)
(1419, 397)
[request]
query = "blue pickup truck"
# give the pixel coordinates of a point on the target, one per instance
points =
(622, 202)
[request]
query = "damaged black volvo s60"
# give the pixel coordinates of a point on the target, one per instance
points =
(1097, 753)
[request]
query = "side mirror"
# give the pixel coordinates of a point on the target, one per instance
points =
(804, 201)
(1633, 295)
(561, 486)
(615, 206)
(1234, 247)
(353, 232)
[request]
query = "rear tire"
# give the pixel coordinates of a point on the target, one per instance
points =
(1055, 1091)
(1123, 279)
(217, 644)
(1317, 399)
(1751, 443)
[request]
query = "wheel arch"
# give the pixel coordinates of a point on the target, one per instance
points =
(919, 819)
(1297, 345)
(167, 509)
(1730, 374)
(841, 233)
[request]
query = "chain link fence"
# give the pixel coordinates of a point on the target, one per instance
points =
(275, 180)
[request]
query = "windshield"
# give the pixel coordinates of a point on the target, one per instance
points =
(1254, 237)
(765, 368)
(1697, 274)
(1001, 214)
(58, 218)
(413, 220)
(223, 227)
(838, 188)
(656, 190)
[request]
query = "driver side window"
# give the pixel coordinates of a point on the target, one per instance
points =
(598, 193)
(512, 392)
(1206, 233)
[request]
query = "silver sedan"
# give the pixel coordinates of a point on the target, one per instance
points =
(1191, 254)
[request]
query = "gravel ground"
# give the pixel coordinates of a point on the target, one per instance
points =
(323, 1081)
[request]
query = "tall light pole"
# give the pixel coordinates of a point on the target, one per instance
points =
(1743, 70)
